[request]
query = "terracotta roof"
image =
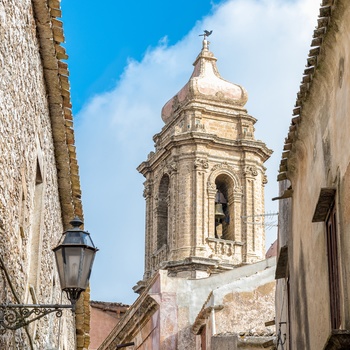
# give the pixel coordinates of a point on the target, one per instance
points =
(323, 23)
(50, 36)
(272, 251)
(107, 306)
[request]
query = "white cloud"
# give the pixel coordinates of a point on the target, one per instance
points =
(261, 45)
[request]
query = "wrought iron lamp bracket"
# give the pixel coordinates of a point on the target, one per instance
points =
(14, 316)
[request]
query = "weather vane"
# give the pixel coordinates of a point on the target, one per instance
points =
(206, 33)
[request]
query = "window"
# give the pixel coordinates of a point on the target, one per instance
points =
(326, 211)
(36, 237)
(333, 267)
(162, 212)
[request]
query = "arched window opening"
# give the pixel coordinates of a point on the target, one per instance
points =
(223, 208)
(162, 212)
(36, 236)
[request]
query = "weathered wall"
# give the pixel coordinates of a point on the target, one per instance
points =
(241, 306)
(247, 310)
(30, 194)
(319, 158)
(235, 342)
(182, 305)
(285, 247)
(104, 317)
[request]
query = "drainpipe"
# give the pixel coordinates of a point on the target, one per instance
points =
(213, 324)
(212, 311)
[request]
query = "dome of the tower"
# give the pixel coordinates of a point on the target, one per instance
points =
(206, 84)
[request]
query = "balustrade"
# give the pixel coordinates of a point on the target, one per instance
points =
(158, 257)
(226, 250)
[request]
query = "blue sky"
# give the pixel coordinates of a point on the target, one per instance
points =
(126, 60)
(101, 37)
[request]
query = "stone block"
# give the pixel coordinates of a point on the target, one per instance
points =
(228, 342)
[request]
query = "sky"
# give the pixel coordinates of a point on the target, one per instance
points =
(126, 60)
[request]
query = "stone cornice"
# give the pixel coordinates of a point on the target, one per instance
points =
(50, 36)
(195, 138)
(210, 107)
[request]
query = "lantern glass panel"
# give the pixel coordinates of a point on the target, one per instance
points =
(60, 267)
(73, 256)
(87, 262)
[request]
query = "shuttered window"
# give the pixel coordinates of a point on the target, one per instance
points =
(333, 268)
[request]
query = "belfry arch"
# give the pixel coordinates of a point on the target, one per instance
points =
(224, 186)
(162, 212)
(224, 199)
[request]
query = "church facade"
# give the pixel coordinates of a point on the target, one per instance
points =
(205, 268)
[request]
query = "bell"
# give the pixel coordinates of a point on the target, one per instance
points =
(219, 213)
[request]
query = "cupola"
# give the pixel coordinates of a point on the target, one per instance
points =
(205, 84)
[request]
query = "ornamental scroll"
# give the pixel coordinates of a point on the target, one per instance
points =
(147, 191)
(201, 163)
(250, 170)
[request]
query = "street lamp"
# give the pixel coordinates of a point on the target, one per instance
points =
(74, 255)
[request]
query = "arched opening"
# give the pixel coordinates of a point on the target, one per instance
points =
(224, 212)
(162, 212)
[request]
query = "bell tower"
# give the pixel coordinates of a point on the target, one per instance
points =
(205, 174)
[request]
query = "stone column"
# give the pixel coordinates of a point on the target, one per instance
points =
(211, 209)
(200, 166)
(148, 195)
(184, 210)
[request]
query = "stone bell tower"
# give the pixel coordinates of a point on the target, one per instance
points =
(205, 175)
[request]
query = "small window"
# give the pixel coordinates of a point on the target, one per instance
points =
(333, 268)
(325, 211)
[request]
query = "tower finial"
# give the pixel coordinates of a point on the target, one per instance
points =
(205, 41)
(206, 34)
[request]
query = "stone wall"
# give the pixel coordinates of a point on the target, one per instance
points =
(235, 342)
(172, 312)
(239, 307)
(30, 187)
